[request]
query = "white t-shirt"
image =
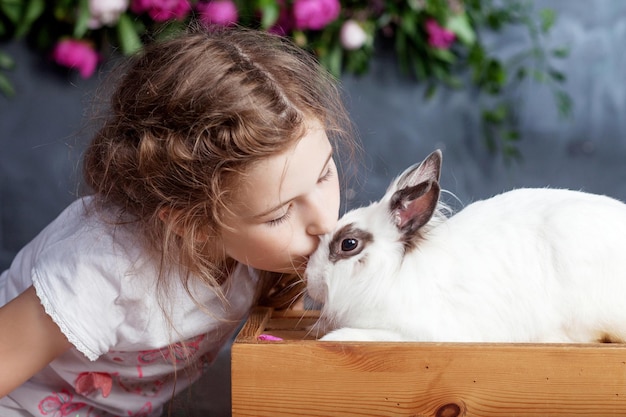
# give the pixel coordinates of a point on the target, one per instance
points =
(99, 286)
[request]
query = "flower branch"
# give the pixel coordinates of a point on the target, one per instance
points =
(437, 42)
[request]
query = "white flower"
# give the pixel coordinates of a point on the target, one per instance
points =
(105, 12)
(352, 35)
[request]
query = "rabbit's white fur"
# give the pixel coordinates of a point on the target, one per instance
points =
(529, 265)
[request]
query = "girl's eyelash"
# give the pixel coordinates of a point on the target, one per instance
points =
(275, 222)
(326, 176)
(280, 219)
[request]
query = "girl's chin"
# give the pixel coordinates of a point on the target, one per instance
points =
(292, 271)
(297, 269)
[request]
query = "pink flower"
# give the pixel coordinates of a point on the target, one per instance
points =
(77, 54)
(439, 37)
(105, 12)
(221, 12)
(162, 10)
(352, 35)
(315, 14)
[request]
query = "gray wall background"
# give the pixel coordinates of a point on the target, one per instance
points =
(41, 138)
(586, 151)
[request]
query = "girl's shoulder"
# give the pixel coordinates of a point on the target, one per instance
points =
(86, 227)
(78, 264)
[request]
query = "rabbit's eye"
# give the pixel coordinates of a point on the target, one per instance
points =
(349, 244)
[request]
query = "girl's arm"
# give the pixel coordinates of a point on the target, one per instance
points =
(29, 340)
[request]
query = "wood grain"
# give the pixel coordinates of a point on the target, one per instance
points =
(311, 378)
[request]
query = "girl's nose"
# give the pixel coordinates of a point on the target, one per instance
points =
(322, 217)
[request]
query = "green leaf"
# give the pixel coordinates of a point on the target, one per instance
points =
(495, 77)
(496, 115)
(127, 35)
(454, 82)
(494, 21)
(6, 87)
(556, 75)
(65, 10)
(477, 59)
(444, 54)
(334, 59)
(12, 9)
(538, 76)
(82, 19)
(269, 13)
(548, 18)
(300, 38)
(560, 52)
(460, 25)
(563, 103)
(510, 153)
(6, 62)
(401, 51)
(415, 5)
(512, 136)
(408, 24)
(431, 89)
(34, 9)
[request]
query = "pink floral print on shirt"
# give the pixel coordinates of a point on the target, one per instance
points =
(144, 412)
(90, 382)
(176, 353)
(60, 404)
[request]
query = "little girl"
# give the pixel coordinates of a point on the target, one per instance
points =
(212, 175)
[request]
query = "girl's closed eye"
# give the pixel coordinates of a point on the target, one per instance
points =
(327, 175)
(281, 219)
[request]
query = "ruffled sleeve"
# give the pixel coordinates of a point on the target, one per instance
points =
(78, 279)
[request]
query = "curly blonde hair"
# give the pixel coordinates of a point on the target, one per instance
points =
(187, 117)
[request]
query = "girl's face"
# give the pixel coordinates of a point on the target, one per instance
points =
(285, 202)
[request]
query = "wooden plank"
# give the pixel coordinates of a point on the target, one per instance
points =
(425, 379)
(286, 324)
(311, 378)
(254, 326)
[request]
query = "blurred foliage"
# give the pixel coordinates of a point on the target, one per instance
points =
(466, 61)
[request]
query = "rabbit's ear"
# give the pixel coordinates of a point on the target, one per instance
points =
(427, 170)
(414, 195)
(412, 207)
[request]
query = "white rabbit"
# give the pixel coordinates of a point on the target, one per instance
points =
(529, 265)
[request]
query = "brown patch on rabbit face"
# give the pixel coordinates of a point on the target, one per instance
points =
(348, 242)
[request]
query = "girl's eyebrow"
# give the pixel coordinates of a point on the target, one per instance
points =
(275, 208)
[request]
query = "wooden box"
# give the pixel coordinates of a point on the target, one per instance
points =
(304, 377)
